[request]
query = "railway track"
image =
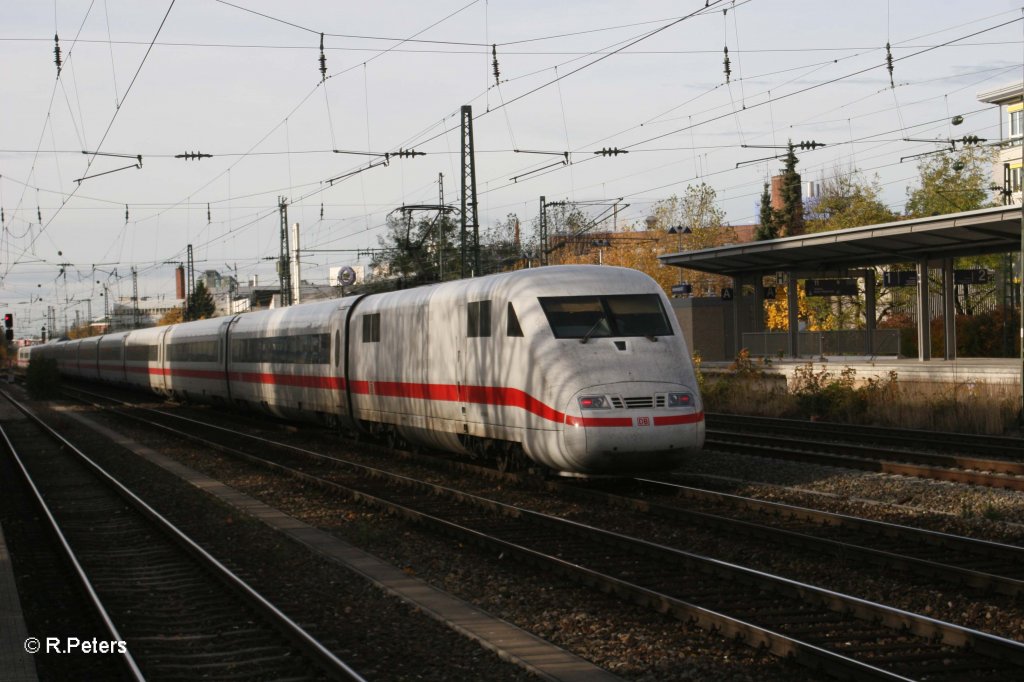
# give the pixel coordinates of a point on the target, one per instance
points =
(825, 630)
(982, 565)
(179, 612)
(822, 446)
(978, 445)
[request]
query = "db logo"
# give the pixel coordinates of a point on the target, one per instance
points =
(643, 421)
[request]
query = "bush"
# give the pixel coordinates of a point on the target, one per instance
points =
(983, 335)
(746, 389)
(820, 395)
(42, 378)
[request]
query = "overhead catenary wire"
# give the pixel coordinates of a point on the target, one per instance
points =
(635, 151)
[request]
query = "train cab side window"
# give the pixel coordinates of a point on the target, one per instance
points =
(371, 328)
(512, 328)
(478, 317)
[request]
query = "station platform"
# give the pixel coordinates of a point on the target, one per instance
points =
(960, 371)
(16, 665)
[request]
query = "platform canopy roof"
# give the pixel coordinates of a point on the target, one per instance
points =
(972, 233)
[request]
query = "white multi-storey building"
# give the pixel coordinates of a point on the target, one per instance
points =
(1006, 171)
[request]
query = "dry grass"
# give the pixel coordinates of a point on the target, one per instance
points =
(965, 407)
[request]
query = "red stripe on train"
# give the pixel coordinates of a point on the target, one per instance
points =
(480, 395)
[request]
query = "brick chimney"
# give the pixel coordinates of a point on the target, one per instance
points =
(179, 282)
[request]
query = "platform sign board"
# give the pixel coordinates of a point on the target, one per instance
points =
(899, 278)
(830, 287)
(972, 277)
(726, 293)
(769, 293)
(682, 289)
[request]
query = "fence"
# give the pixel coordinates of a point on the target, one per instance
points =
(811, 344)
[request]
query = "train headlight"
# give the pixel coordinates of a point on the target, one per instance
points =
(680, 400)
(593, 402)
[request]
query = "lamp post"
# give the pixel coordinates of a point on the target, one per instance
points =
(679, 231)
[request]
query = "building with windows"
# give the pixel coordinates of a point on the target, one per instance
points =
(1006, 171)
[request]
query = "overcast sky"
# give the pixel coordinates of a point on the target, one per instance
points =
(241, 81)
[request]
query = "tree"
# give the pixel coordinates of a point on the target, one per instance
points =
(83, 331)
(768, 228)
(791, 218)
(200, 303)
(951, 182)
(423, 250)
(501, 246)
(639, 248)
(172, 316)
(847, 200)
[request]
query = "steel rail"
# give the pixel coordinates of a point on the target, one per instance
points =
(866, 459)
(927, 628)
(1007, 447)
(129, 661)
(294, 632)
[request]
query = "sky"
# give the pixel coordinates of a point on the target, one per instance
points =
(241, 81)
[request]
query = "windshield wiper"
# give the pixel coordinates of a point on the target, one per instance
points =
(586, 337)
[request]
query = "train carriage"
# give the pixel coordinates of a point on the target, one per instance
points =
(110, 358)
(143, 359)
(194, 360)
(87, 354)
(288, 361)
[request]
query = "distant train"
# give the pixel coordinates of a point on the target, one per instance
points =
(579, 368)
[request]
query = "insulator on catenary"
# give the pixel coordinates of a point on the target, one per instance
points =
(888, 64)
(725, 62)
(321, 210)
(126, 214)
(207, 214)
(56, 53)
(494, 56)
(323, 60)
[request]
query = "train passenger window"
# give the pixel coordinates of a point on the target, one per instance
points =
(305, 349)
(512, 327)
(578, 317)
(371, 328)
(141, 353)
(478, 316)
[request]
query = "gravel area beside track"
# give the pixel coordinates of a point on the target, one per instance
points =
(378, 635)
(975, 511)
(634, 643)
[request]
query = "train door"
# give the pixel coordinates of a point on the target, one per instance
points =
(340, 340)
(225, 348)
(480, 371)
(159, 369)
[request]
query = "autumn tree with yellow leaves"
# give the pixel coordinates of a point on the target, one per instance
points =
(639, 247)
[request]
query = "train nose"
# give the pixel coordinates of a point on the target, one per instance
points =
(653, 428)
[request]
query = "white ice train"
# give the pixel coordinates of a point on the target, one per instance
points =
(582, 369)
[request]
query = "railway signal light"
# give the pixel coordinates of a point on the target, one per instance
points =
(9, 326)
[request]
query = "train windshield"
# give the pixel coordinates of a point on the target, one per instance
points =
(586, 317)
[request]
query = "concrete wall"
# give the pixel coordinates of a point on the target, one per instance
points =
(707, 326)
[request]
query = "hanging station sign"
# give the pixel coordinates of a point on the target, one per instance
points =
(831, 287)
